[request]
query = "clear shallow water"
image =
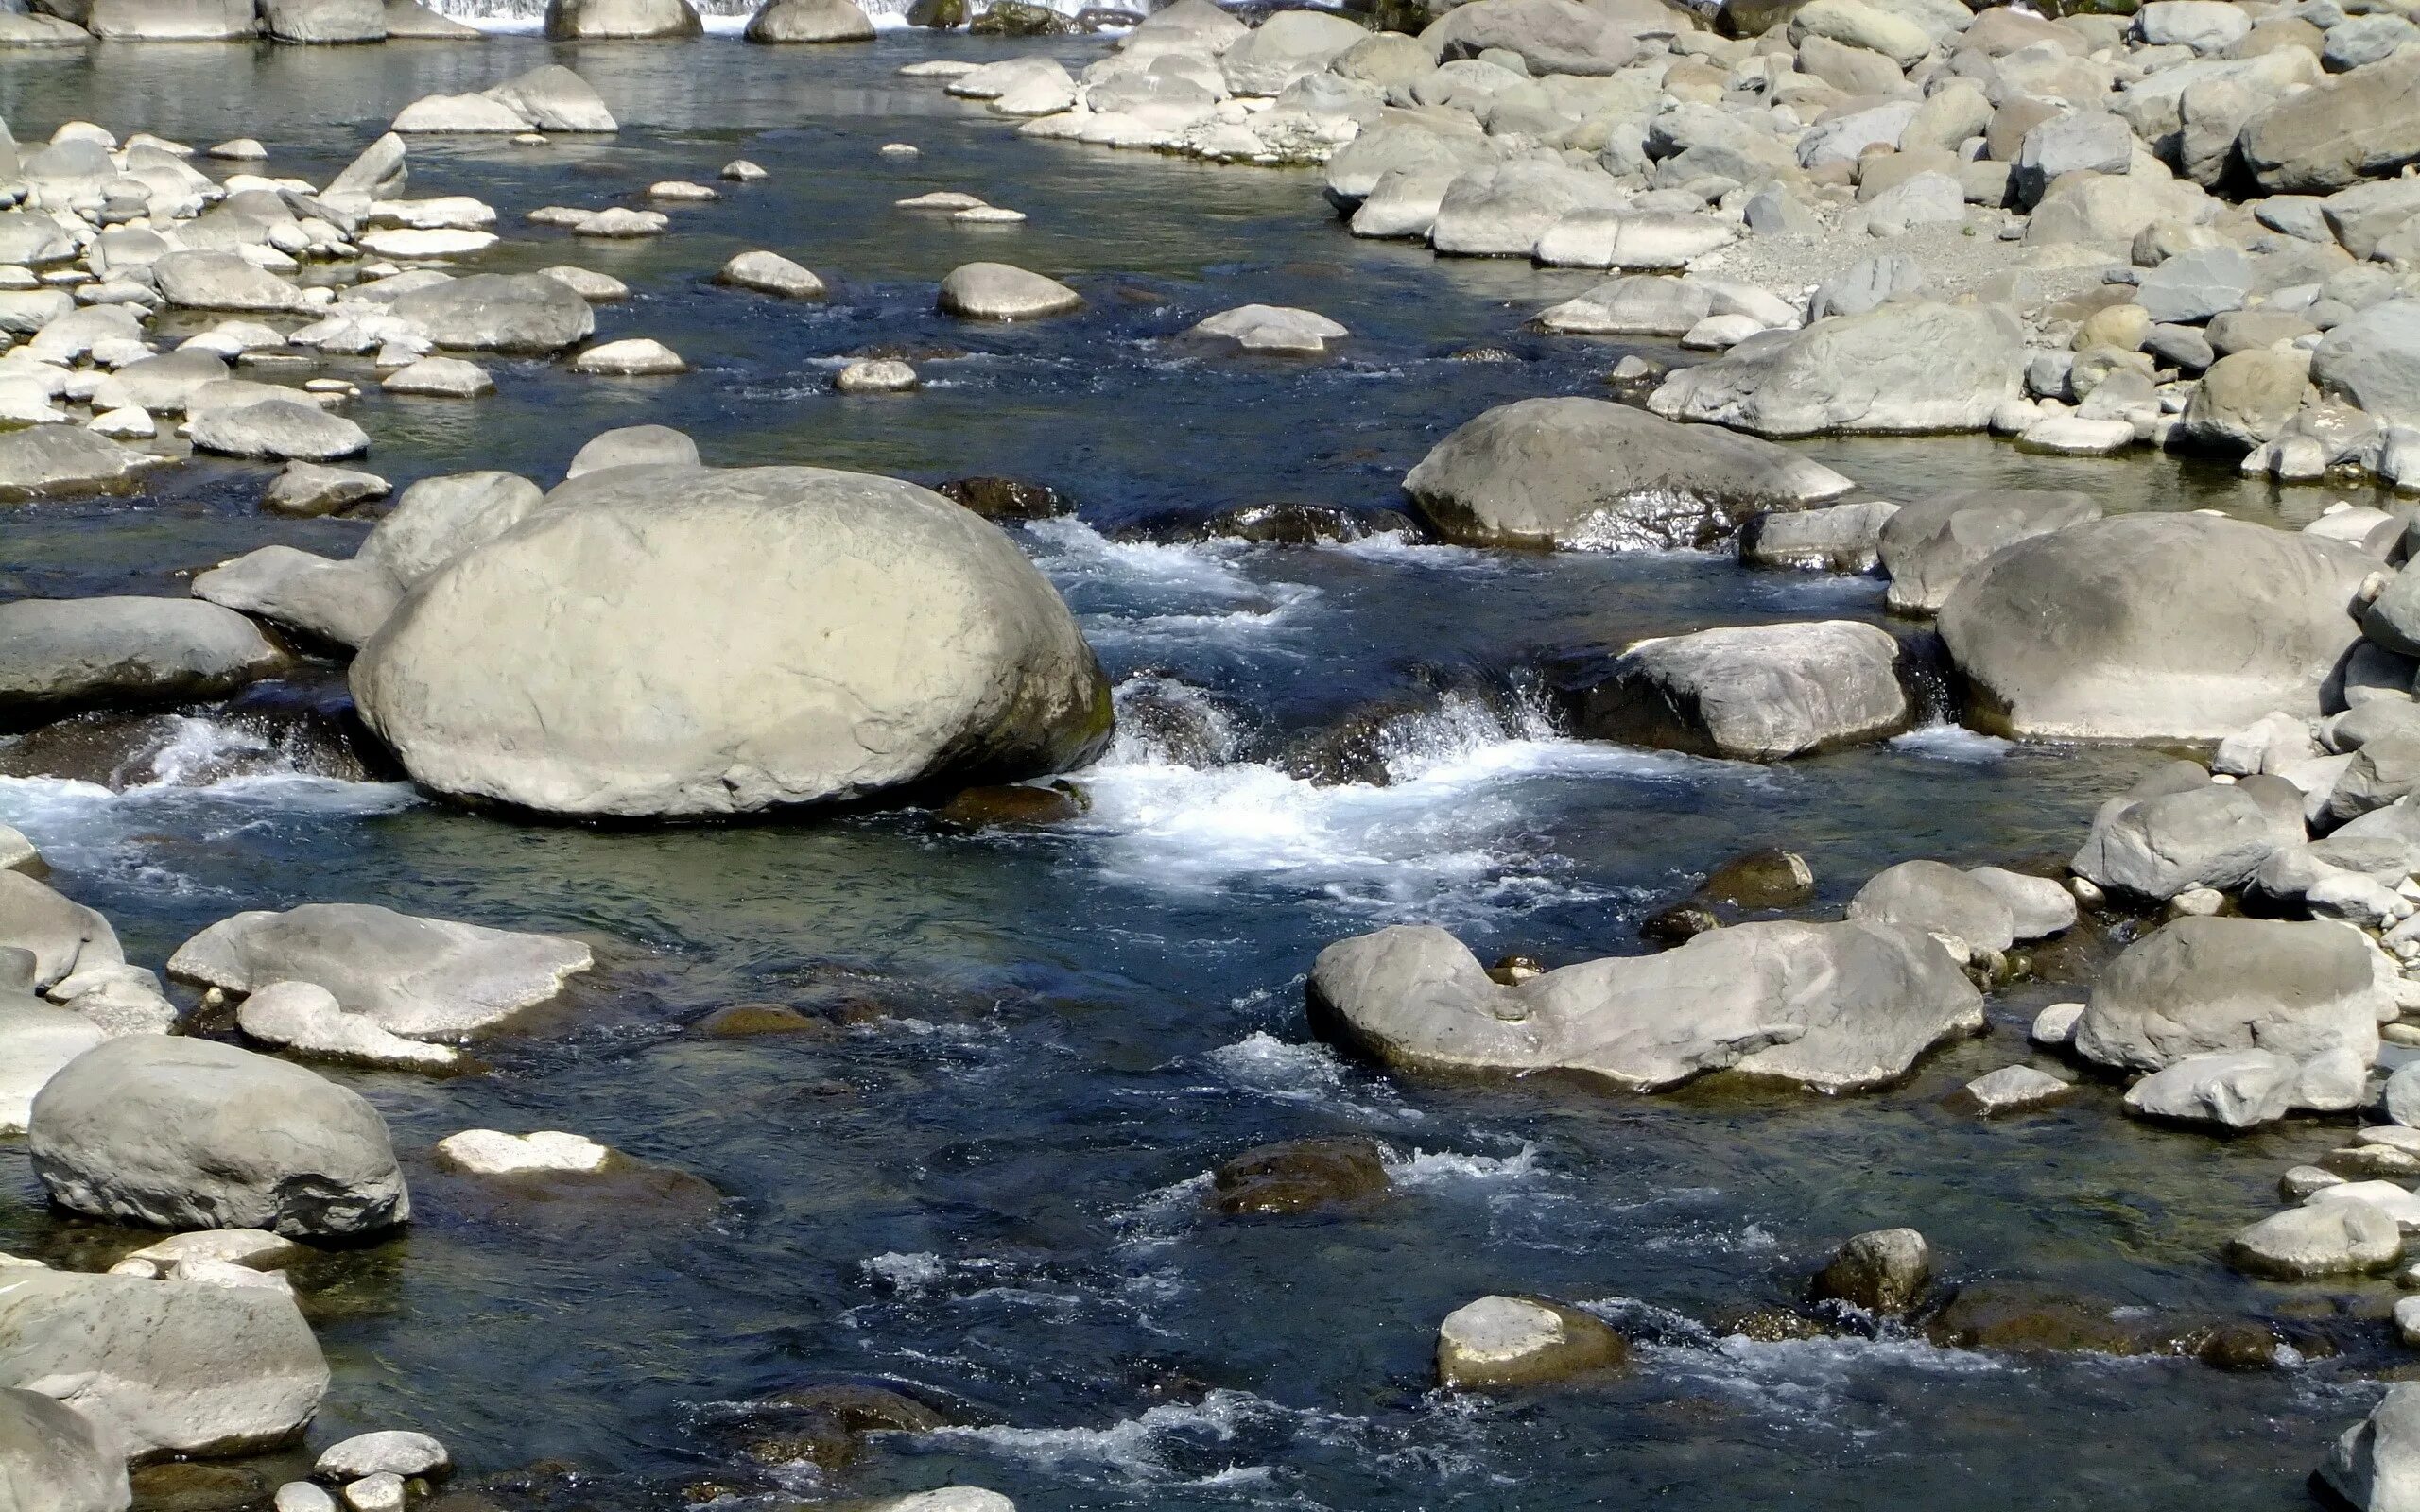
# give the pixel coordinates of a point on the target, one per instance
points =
(991, 1187)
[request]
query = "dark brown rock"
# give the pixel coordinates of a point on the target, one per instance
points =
(1007, 498)
(1013, 806)
(1299, 1176)
(1761, 879)
(1883, 1272)
(189, 1488)
(746, 1019)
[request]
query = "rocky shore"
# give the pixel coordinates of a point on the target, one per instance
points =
(2187, 227)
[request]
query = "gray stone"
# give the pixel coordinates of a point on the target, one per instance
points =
(1905, 367)
(1930, 545)
(62, 936)
(2375, 1464)
(2374, 363)
(1883, 1272)
(342, 603)
(172, 19)
(1499, 1342)
(324, 21)
(278, 429)
(1937, 900)
(1549, 36)
(63, 461)
(2015, 1090)
(163, 1367)
(391, 1453)
(1501, 209)
(770, 273)
(2356, 126)
(222, 280)
(2193, 287)
(422, 978)
(71, 653)
(1753, 693)
(36, 1040)
(1835, 1008)
(555, 99)
(54, 1459)
(1841, 537)
(633, 446)
(2196, 986)
(2336, 1239)
(809, 20)
(2152, 625)
(182, 1133)
(609, 20)
(996, 291)
(2233, 1088)
(1287, 46)
(498, 312)
(2074, 141)
(439, 518)
(1583, 473)
(2161, 841)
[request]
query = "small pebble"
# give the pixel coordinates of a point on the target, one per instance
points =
(382, 1492)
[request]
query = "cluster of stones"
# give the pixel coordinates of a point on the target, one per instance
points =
(2180, 228)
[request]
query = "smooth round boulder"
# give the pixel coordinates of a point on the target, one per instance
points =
(1937, 899)
(809, 20)
(36, 1041)
(1753, 693)
(2154, 626)
(1927, 546)
(1882, 1272)
(180, 1133)
(279, 430)
(996, 291)
(1583, 473)
(809, 636)
(2197, 984)
(52, 1459)
(633, 357)
(633, 446)
(58, 653)
(770, 273)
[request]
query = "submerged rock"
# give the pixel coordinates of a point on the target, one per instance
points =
(1583, 473)
(420, 978)
(1501, 1343)
(1835, 1008)
(1301, 1175)
(182, 1133)
(813, 636)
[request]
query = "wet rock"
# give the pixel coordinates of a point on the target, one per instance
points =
(302, 1017)
(53, 1458)
(1504, 1343)
(2233, 1088)
(1883, 1272)
(498, 312)
(61, 936)
(163, 1366)
(1678, 924)
(1018, 806)
(440, 378)
(809, 20)
(422, 978)
(946, 1499)
(1929, 545)
(2334, 1239)
(1761, 879)
(192, 1134)
(1903, 368)
(190, 1488)
(391, 1453)
(1831, 1007)
(2152, 625)
(254, 1248)
(2375, 1464)
(2196, 986)
(596, 20)
(996, 291)
(1582, 473)
(877, 377)
(1758, 693)
(824, 1423)
(2018, 1318)
(59, 654)
(2012, 1089)
(306, 488)
(1299, 1176)
(278, 429)
(742, 1020)
(553, 98)
(1006, 498)
(1842, 538)
(770, 273)
(1271, 328)
(63, 461)
(945, 637)
(1287, 524)
(638, 357)
(632, 446)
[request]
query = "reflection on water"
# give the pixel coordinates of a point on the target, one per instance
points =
(985, 1177)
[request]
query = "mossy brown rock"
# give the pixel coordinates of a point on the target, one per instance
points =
(1299, 1176)
(1500, 1343)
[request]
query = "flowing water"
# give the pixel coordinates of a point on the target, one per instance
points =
(988, 1182)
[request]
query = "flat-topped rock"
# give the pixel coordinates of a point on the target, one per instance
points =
(420, 978)
(74, 653)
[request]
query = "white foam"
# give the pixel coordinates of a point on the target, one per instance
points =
(1312, 1074)
(909, 1273)
(1070, 549)
(1132, 1448)
(1446, 1168)
(1954, 743)
(1446, 830)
